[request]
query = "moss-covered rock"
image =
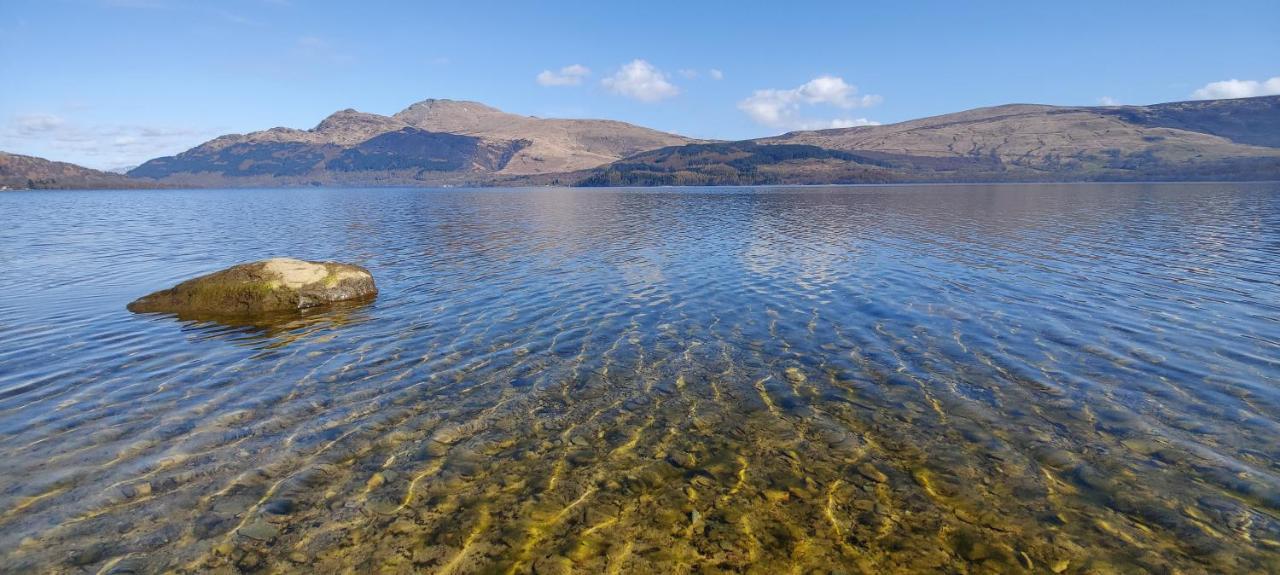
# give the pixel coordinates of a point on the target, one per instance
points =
(273, 285)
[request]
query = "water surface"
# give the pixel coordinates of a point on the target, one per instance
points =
(1072, 379)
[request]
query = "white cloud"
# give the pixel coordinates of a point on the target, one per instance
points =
(694, 74)
(1108, 101)
(641, 81)
(836, 123)
(1238, 89)
(36, 124)
(571, 75)
(781, 108)
(94, 145)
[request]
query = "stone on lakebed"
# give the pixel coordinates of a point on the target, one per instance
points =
(279, 284)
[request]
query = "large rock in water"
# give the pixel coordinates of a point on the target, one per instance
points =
(273, 285)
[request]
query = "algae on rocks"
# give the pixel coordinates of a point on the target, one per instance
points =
(274, 285)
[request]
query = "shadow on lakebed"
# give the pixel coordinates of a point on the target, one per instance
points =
(267, 298)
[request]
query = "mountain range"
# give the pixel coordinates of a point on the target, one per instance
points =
(429, 143)
(446, 142)
(1236, 139)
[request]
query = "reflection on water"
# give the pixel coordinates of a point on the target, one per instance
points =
(1068, 379)
(275, 329)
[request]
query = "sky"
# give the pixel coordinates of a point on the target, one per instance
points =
(112, 83)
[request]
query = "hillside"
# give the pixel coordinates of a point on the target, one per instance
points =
(1221, 139)
(555, 145)
(19, 172)
(429, 143)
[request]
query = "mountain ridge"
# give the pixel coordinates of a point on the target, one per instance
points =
(497, 144)
(438, 142)
(1011, 142)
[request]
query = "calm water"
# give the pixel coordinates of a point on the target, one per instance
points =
(1078, 379)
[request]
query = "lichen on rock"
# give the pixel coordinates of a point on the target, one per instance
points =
(278, 284)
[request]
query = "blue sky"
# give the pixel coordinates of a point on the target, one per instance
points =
(108, 83)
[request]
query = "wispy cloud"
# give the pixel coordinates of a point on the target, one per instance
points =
(147, 4)
(1108, 101)
(36, 124)
(95, 145)
(191, 10)
(783, 108)
(238, 19)
(570, 75)
(640, 80)
(1238, 89)
(694, 74)
(320, 49)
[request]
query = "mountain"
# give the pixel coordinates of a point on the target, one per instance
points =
(430, 142)
(1218, 139)
(19, 172)
(555, 145)
(447, 142)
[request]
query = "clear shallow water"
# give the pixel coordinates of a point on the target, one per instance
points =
(1077, 379)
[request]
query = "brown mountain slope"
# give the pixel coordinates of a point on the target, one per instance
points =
(19, 172)
(430, 143)
(556, 145)
(1209, 140)
(1033, 138)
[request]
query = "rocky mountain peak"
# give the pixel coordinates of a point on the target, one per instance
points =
(452, 115)
(349, 126)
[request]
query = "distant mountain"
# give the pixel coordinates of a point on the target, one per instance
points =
(19, 172)
(554, 145)
(446, 142)
(431, 142)
(1222, 139)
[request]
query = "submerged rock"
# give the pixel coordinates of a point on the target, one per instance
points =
(279, 284)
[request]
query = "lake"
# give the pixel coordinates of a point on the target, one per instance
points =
(1049, 378)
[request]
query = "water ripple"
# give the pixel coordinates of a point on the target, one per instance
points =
(1073, 379)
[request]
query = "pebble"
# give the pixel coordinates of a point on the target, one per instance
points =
(776, 496)
(279, 507)
(870, 472)
(682, 459)
(259, 530)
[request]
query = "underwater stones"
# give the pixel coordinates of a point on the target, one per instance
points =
(682, 459)
(211, 525)
(279, 507)
(1141, 446)
(382, 506)
(436, 448)
(88, 555)
(259, 530)
(870, 471)
(274, 285)
(1059, 459)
